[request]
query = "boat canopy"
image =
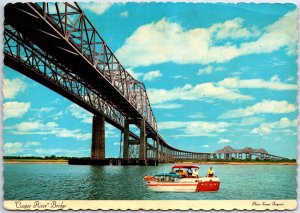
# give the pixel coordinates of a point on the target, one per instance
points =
(185, 166)
(168, 175)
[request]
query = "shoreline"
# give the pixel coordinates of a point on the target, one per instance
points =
(22, 161)
(35, 161)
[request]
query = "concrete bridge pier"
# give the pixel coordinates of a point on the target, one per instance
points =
(126, 141)
(98, 140)
(143, 145)
(157, 147)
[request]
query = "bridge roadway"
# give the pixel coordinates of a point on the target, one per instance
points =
(56, 45)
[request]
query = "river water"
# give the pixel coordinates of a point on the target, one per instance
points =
(72, 182)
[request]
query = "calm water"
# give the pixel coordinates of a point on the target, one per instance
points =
(66, 182)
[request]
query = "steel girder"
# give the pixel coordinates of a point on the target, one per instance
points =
(75, 35)
(27, 58)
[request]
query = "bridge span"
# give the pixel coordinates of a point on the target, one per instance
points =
(56, 45)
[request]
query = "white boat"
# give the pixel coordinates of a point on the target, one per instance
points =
(182, 178)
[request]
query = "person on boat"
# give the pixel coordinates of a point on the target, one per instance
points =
(182, 173)
(210, 172)
(195, 173)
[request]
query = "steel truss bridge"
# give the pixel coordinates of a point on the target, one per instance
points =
(56, 45)
(229, 153)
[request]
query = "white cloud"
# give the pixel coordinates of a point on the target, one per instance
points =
(283, 123)
(166, 106)
(164, 38)
(32, 143)
(197, 115)
(195, 128)
(62, 152)
(273, 84)
(205, 146)
(96, 7)
(15, 109)
(12, 87)
(76, 133)
(264, 107)
(233, 29)
(80, 113)
(209, 69)
(179, 77)
(50, 128)
(27, 126)
(134, 74)
(282, 33)
(290, 78)
(198, 92)
(13, 148)
(124, 14)
(223, 140)
(251, 120)
(149, 76)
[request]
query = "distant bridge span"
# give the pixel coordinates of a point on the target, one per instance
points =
(56, 45)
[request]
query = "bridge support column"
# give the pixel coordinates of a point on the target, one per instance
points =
(126, 141)
(157, 147)
(143, 153)
(98, 138)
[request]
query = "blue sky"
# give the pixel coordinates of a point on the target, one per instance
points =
(216, 75)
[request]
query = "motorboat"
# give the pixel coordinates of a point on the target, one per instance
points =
(182, 178)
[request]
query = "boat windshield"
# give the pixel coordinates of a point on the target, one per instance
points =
(185, 171)
(166, 177)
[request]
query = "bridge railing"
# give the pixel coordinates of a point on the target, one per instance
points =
(73, 24)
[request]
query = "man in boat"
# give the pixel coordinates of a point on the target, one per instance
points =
(210, 172)
(195, 173)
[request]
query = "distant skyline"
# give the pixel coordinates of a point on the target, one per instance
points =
(216, 75)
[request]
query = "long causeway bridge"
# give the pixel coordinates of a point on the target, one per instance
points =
(56, 45)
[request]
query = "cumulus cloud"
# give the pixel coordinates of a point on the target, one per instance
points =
(273, 84)
(264, 107)
(149, 76)
(195, 128)
(15, 109)
(49, 128)
(251, 120)
(209, 69)
(13, 148)
(283, 123)
(233, 29)
(96, 7)
(32, 143)
(79, 113)
(164, 38)
(12, 87)
(167, 106)
(124, 14)
(205, 146)
(223, 140)
(197, 92)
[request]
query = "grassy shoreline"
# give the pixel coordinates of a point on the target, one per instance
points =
(65, 161)
(21, 161)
